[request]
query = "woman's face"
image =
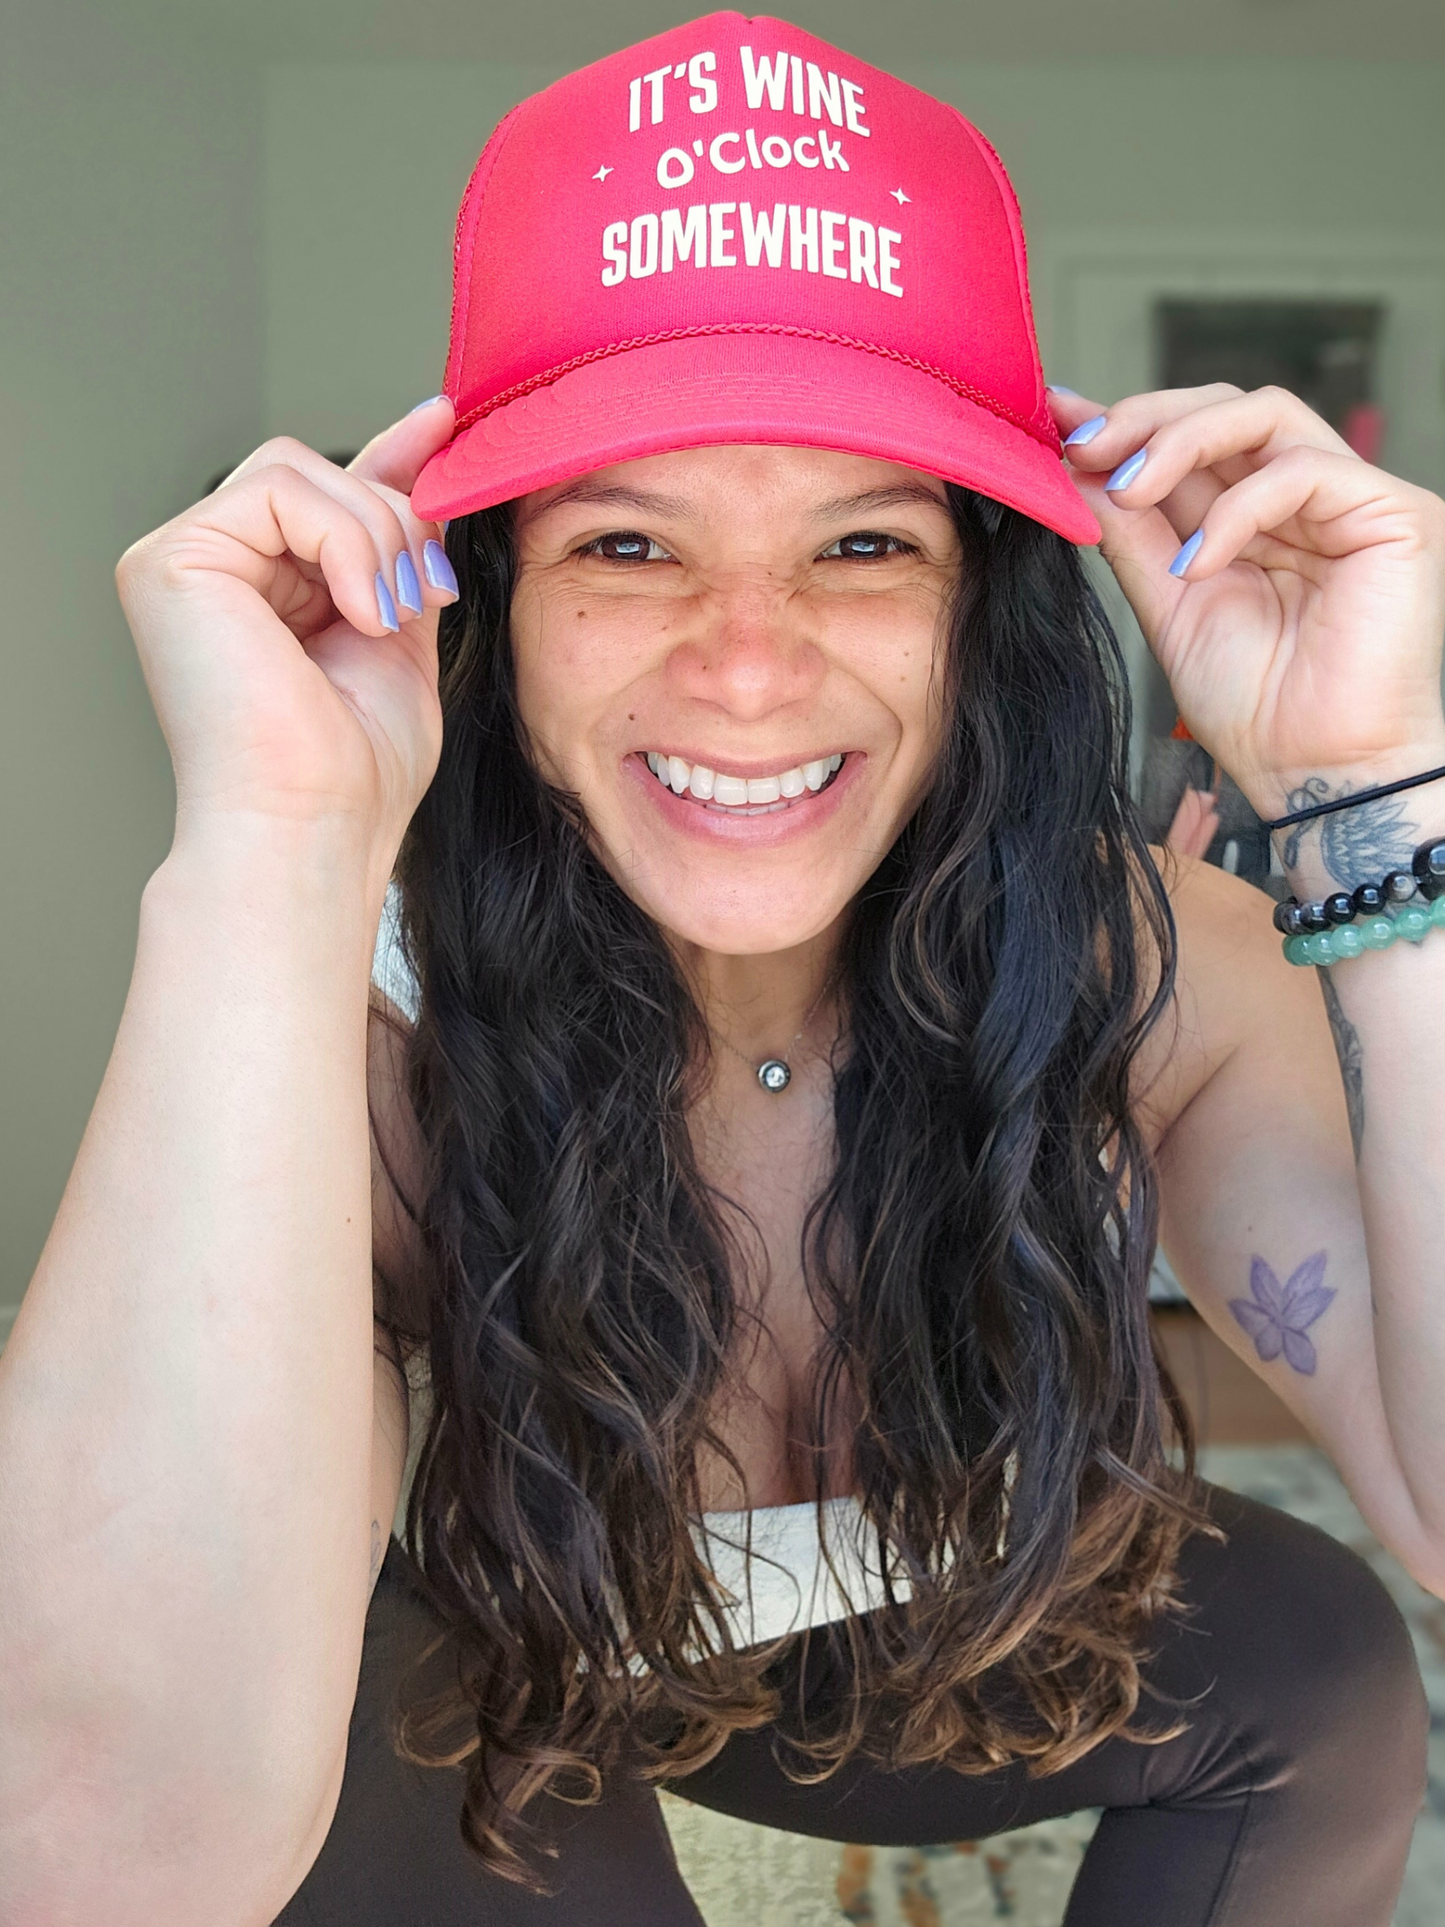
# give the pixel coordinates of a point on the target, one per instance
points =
(731, 655)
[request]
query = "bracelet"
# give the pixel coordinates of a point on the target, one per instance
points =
(1359, 796)
(1405, 903)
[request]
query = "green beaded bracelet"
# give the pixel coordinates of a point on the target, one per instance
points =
(1413, 922)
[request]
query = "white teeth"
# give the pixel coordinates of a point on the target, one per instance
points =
(707, 786)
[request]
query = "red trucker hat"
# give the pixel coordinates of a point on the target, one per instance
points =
(736, 233)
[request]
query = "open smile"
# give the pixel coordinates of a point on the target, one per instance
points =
(730, 795)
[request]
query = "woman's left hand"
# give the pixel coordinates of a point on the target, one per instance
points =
(1304, 635)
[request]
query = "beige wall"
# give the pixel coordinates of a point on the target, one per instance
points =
(197, 252)
(130, 366)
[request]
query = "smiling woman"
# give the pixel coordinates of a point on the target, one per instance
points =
(741, 1290)
(713, 1300)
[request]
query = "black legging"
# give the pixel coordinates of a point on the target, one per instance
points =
(1288, 1803)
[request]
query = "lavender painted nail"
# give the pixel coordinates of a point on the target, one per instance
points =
(385, 606)
(1058, 388)
(1276, 1316)
(425, 404)
(408, 589)
(439, 571)
(1187, 554)
(1126, 472)
(1086, 431)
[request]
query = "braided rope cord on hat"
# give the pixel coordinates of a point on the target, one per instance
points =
(965, 389)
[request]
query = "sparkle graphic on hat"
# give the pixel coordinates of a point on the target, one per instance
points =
(899, 195)
(603, 172)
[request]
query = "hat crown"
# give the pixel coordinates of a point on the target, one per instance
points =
(737, 175)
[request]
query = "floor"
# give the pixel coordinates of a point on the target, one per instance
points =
(745, 1876)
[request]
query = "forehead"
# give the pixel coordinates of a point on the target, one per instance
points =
(695, 484)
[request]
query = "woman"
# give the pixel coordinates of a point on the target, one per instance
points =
(800, 1050)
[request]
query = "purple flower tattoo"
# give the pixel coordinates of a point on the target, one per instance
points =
(1277, 1315)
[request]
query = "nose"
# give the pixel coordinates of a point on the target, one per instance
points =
(749, 654)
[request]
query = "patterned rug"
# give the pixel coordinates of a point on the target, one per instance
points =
(746, 1876)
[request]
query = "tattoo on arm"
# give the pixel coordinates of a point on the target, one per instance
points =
(1277, 1315)
(1352, 1059)
(1357, 845)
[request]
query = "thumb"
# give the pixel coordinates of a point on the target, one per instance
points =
(396, 456)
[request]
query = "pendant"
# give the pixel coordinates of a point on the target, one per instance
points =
(774, 1075)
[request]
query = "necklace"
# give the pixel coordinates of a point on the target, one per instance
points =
(775, 1073)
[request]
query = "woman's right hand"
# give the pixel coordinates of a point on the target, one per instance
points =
(280, 688)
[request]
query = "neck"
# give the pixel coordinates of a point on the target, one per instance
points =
(758, 1004)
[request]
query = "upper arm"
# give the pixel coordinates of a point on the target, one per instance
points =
(1259, 1201)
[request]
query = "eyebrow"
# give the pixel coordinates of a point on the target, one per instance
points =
(646, 502)
(896, 495)
(614, 497)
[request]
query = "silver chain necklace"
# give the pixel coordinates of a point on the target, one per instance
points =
(775, 1073)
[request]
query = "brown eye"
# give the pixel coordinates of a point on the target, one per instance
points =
(867, 545)
(626, 545)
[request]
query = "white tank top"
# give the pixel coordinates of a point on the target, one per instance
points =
(769, 1562)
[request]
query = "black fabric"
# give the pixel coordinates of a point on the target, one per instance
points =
(1289, 1802)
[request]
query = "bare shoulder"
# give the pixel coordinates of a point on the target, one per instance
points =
(1231, 984)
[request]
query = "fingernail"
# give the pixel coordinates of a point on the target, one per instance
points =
(426, 404)
(385, 606)
(1058, 388)
(1126, 471)
(1187, 554)
(1086, 431)
(408, 589)
(439, 571)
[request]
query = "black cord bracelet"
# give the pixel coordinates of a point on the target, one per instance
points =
(1348, 802)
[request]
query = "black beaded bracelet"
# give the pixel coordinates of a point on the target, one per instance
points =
(1424, 878)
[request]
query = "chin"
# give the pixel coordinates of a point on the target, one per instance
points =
(753, 915)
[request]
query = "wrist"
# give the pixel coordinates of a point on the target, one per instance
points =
(1363, 841)
(326, 868)
(1279, 792)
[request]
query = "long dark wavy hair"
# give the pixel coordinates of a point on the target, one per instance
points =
(979, 1255)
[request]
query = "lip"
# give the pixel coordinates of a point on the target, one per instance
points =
(772, 826)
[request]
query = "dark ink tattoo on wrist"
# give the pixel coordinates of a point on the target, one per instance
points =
(1356, 845)
(1277, 1315)
(1351, 1054)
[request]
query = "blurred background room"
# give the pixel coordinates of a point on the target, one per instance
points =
(226, 219)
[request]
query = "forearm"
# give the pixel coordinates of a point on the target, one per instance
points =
(185, 1402)
(1384, 1011)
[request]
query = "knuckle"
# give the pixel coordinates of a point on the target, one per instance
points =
(139, 559)
(284, 450)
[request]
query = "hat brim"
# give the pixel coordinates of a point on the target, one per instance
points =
(738, 387)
